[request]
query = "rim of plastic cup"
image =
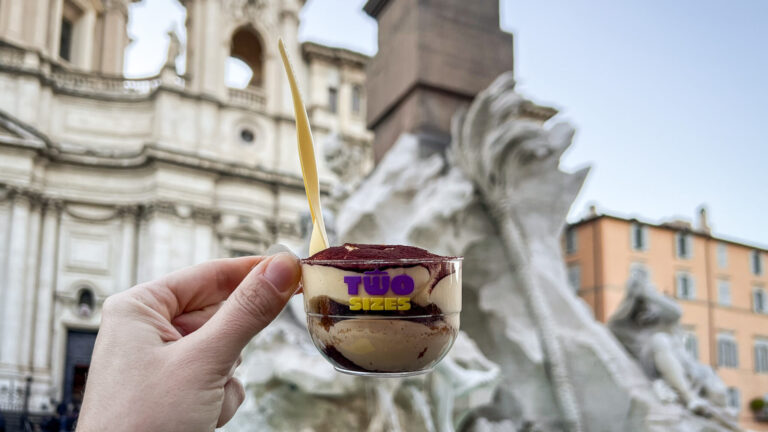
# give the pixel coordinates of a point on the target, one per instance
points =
(388, 261)
(372, 316)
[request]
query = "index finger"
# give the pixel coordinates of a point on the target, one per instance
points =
(199, 286)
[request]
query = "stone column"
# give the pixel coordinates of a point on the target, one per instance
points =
(14, 281)
(289, 30)
(6, 213)
(434, 56)
(83, 40)
(36, 23)
(29, 269)
(195, 15)
(46, 287)
(127, 277)
(11, 20)
(115, 37)
(156, 241)
(54, 27)
(207, 48)
(204, 232)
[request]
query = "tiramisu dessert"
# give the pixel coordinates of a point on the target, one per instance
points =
(382, 310)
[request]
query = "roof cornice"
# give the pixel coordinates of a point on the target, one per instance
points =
(312, 50)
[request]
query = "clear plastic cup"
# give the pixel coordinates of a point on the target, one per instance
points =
(386, 318)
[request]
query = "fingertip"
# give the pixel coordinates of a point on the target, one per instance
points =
(283, 272)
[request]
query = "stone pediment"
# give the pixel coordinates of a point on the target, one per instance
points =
(4, 131)
(14, 131)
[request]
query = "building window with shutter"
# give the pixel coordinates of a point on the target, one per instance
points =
(639, 240)
(733, 399)
(724, 292)
(759, 300)
(571, 241)
(574, 277)
(761, 355)
(683, 245)
(756, 262)
(685, 286)
(722, 255)
(691, 344)
(727, 351)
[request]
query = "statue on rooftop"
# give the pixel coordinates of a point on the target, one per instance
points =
(174, 50)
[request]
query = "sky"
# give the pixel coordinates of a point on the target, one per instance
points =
(669, 98)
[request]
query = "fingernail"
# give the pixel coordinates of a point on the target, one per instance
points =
(283, 272)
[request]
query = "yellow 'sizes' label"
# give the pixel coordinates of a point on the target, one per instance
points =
(379, 303)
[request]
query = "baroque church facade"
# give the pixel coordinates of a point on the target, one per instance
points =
(106, 182)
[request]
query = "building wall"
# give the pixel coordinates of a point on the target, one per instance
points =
(605, 258)
(106, 182)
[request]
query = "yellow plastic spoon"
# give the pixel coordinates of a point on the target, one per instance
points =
(319, 239)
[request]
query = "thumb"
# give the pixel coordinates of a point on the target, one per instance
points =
(252, 306)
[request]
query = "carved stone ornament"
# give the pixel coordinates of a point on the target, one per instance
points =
(120, 5)
(159, 207)
(53, 204)
(15, 193)
(244, 9)
(206, 216)
(129, 211)
(91, 213)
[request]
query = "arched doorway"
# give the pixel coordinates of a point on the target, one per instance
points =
(78, 360)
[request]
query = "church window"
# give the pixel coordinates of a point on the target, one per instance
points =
(333, 99)
(65, 43)
(357, 95)
(247, 136)
(68, 35)
(245, 64)
(85, 302)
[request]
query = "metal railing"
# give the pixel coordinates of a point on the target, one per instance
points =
(12, 397)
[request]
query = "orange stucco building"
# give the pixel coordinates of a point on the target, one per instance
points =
(721, 285)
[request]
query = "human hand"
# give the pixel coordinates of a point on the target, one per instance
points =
(167, 350)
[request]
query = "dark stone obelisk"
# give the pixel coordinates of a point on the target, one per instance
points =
(434, 56)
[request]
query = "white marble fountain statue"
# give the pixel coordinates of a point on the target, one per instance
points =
(530, 356)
